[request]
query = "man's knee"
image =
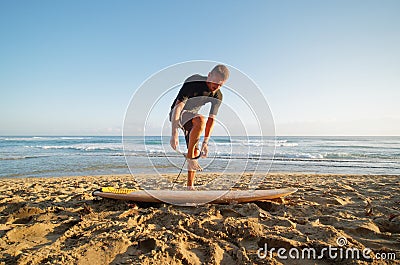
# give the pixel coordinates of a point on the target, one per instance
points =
(199, 121)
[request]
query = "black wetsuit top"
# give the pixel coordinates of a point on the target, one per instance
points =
(195, 94)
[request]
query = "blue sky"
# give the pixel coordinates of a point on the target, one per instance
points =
(325, 67)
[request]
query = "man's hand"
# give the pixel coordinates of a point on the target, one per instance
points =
(174, 142)
(204, 150)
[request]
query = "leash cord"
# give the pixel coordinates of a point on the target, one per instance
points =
(179, 173)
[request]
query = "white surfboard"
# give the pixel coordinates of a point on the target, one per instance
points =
(189, 197)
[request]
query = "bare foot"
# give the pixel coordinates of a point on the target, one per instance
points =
(190, 188)
(193, 165)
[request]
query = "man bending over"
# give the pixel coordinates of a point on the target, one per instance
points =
(195, 93)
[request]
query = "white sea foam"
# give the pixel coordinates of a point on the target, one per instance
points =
(42, 138)
(155, 151)
(84, 147)
(299, 155)
(75, 138)
(18, 139)
(20, 157)
(286, 144)
(258, 143)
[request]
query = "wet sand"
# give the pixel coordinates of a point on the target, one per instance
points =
(58, 221)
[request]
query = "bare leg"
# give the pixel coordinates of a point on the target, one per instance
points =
(193, 150)
(190, 180)
(194, 136)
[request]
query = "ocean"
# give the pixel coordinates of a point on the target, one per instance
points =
(37, 156)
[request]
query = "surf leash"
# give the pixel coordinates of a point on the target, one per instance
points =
(180, 152)
(179, 173)
(176, 179)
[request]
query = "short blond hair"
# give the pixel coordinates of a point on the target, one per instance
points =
(222, 70)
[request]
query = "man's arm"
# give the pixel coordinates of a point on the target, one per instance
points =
(175, 123)
(209, 127)
(215, 104)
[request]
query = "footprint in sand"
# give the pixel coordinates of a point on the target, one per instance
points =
(24, 215)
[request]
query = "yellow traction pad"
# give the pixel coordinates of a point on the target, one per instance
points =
(117, 191)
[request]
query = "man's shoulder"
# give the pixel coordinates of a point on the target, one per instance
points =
(196, 78)
(218, 94)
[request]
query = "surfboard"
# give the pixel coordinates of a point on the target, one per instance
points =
(189, 197)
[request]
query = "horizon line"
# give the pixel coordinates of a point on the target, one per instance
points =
(283, 135)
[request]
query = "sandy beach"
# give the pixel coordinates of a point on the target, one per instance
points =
(58, 221)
